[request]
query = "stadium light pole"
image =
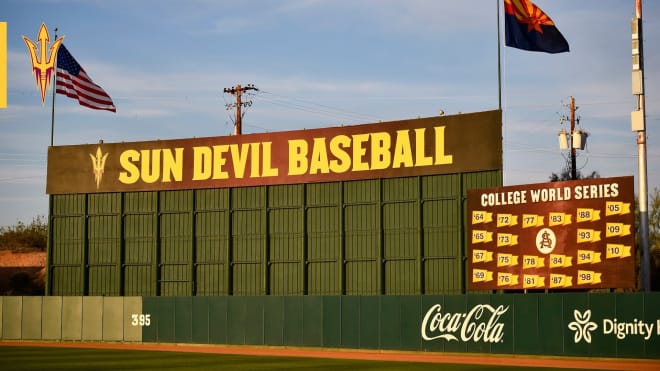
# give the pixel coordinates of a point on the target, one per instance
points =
(638, 124)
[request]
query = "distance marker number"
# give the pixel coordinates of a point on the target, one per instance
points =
(142, 320)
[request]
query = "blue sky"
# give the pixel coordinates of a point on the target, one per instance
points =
(323, 63)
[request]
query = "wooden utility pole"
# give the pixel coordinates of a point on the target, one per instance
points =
(237, 90)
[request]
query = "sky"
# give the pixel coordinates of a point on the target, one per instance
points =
(320, 63)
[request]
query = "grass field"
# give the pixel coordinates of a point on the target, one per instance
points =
(44, 358)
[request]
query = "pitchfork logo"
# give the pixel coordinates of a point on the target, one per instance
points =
(42, 64)
(582, 326)
(98, 165)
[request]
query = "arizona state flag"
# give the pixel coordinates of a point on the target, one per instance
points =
(527, 27)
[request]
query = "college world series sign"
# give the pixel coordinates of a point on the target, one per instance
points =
(561, 235)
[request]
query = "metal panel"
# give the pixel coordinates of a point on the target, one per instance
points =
(362, 254)
(31, 318)
(362, 228)
(1, 316)
(165, 324)
(627, 311)
(69, 204)
(551, 340)
(140, 243)
(293, 321)
(390, 322)
(286, 248)
(332, 321)
(104, 244)
(51, 324)
(526, 338)
(248, 240)
(508, 322)
(401, 236)
(72, 314)
(471, 301)
(274, 314)
(291, 195)
(369, 317)
(254, 320)
(92, 318)
(176, 249)
(132, 306)
(211, 245)
(67, 280)
(12, 310)
(183, 311)
(66, 275)
(248, 197)
(219, 320)
(200, 319)
(312, 321)
(571, 303)
(652, 305)
(151, 306)
(349, 321)
(324, 238)
(237, 319)
(212, 217)
(442, 226)
(482, 179)
(411, 312)
(104, 231)
(113, 315)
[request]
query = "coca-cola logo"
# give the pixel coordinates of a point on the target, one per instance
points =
(481, 323)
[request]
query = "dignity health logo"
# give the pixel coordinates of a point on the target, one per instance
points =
(583, 327)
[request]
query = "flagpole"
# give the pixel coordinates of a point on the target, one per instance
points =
(499, 59)
(49, 249)
(52, 111)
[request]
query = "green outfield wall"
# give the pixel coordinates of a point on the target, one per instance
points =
(373, 209)
(398, 236)
(571, 324)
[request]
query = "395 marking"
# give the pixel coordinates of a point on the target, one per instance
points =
(141, 319)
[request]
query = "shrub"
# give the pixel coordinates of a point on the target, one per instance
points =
(25, 237)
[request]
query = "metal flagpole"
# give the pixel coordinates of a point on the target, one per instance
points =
(499, 59)
(52, 111)
(49, 248)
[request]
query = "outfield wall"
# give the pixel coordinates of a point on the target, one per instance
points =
(374, 209)
(399, 236)
(572, 324)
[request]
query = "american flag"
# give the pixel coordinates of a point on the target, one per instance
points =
(73, 81)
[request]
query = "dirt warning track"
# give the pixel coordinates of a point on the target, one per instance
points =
(369, 355)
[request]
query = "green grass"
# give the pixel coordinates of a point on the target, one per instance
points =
(42, 358)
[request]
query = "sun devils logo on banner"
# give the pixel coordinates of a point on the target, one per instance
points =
(42, 64)
(98, 165)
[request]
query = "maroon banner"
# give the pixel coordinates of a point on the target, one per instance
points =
(435, 145)
(560, 235)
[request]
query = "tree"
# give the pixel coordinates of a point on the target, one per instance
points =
(565, 174)
(654, 238)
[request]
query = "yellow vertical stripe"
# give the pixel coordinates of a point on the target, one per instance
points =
(3, 64)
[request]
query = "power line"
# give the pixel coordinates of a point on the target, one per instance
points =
(316, 108)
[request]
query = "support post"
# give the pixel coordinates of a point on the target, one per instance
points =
(638, 119)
